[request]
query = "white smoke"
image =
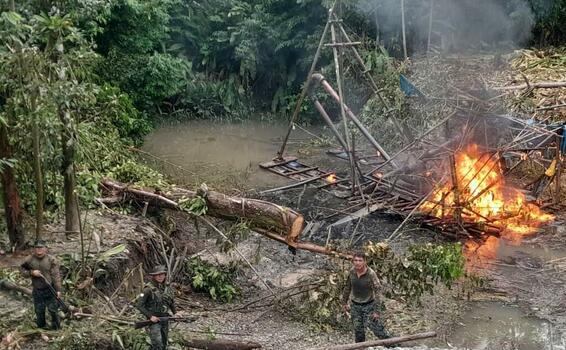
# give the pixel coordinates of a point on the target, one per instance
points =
(456, 25)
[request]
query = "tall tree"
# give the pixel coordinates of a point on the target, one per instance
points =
(68, 142)
(59, 35)
(10, 195)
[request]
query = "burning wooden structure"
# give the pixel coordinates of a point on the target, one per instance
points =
(457, 185)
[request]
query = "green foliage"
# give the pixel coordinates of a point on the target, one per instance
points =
(119, 112)
(550, 17)
(419, 270)
(195, 206)
(133, 35)
(50, 69)
(213, 280)
(404, 277)
(6, 163)
(135, 26)
(149, 78)
(237, 232)
(138, 174)
(257, 49)
(321, 307)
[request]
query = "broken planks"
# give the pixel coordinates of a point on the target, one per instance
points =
(292, 168)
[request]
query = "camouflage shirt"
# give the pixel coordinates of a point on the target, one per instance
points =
(49, 268)
(363, 289)
(156, 300)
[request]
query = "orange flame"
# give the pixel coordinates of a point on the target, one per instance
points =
(483, 197)
(331, 178)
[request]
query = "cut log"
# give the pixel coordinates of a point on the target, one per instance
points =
(260, 214)
(382, 342)
(220, 344)
(8, 285)
(271, 220)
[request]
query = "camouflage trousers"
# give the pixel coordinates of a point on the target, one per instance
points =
(44, 299)
(362, 318)
(158, 334)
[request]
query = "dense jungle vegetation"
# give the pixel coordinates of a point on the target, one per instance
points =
(81, 80)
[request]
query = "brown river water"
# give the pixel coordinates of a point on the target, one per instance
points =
(212, 152)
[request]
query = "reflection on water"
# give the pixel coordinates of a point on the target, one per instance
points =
(491, 325)
(212, 150)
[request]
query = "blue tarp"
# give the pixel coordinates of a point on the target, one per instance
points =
(408, 88)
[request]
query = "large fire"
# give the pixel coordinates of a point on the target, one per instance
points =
(481, 196)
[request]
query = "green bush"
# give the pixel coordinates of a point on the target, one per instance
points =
(213, 280)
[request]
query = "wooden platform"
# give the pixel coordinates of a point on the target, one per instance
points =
(293, 168)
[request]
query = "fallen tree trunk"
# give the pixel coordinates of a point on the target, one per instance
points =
(220, 344)
(260, 214)
(7, 285)
(381, 342)
(271, 220)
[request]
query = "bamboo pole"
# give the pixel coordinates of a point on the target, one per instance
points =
(429, 27)
(426, 133)
(413, 211)
(329, 122)
(558, 173)
(455, 185)
(403, 28)
(382, 342)
(539, 85)
(320, 78)
(307, 83)
(337, 67)
(297, 184)
(374, 86)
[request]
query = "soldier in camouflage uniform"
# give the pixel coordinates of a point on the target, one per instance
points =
(155, 301)
(43, 270)
(363, 285)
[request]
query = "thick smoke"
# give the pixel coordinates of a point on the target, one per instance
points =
(457, 24)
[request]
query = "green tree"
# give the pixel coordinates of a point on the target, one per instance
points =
(132, 44)
(12, 31)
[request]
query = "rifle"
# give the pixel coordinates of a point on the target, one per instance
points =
(66, 309)
(145, 323)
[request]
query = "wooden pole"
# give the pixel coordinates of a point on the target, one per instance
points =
(558, 173)
(8, 285)
(329, 122)
(539, 85)
(320, 78)
(220, 344)
(456, 187)
(337, 67)
(429, 27)
(384, 342)
(420, 138)
(408, 137)
(307, 84)
(296, 184)
(403, 28)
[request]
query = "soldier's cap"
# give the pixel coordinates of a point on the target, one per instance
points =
(157, 270)
(39, 244)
